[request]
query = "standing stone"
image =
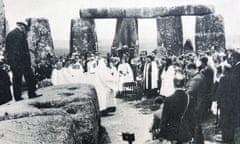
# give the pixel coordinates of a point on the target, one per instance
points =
(40, 40)
(170, 34)
(83, 37)
(3, 27)
(126, 35)
(209, 32)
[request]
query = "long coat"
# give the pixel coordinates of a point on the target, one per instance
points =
(225, 101)
(173, 110)
(235, 92)
(197, 88)
(17, 49)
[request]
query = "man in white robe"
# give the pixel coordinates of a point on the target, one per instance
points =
(56, 76)
(106, 84)
(75, 71)
(151, 77)
(92, 65)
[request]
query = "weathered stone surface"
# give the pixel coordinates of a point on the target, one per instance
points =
(209, 32)
(40, 40)
(170, 34)
(146, 12)
(83, 36)
(67, 114)
(126, 34)
(3, 26)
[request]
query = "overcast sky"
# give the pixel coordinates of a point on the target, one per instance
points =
(60, 12)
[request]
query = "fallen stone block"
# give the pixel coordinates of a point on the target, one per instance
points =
(65, 114)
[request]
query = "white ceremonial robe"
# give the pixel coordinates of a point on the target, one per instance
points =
(105, 83)
(66, 75)
(91, 66)
(125, 74)
(167, 86)
(75, 71)
(154, 75)
(57, 77)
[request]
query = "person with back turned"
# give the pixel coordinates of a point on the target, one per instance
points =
(176, 112)
(18, 57)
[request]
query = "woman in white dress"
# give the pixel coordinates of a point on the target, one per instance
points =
(56, 76)
(106, 84)
(125, 73)
(167, 76)
(76, 71)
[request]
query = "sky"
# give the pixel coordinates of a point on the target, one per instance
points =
(60, 12)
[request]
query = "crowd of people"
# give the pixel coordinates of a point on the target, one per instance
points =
(194, 82)
(185, 86)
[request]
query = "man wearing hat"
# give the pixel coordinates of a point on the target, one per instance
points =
(225, 103)
(18, 57)
(208, 72)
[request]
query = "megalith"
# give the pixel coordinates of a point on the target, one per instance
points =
(146, 12)
(209, 32)
(170, 34)
(40, 40)
(83, 37)
(64, 114)
(3, 27)
(126, 34)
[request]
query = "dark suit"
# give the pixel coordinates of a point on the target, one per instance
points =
(209, 74)
(225, 102)
(235, 94)
(197, 88)
(18, 58)
(173, 110)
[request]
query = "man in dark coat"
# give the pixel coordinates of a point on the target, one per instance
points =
(208, 72)
(18, 57)
(225, 103)
(175, 108)
(197, 90)
(235, 94)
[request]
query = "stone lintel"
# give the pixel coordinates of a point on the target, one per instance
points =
(147, 12)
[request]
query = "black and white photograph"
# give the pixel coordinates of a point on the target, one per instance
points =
(119, 72)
